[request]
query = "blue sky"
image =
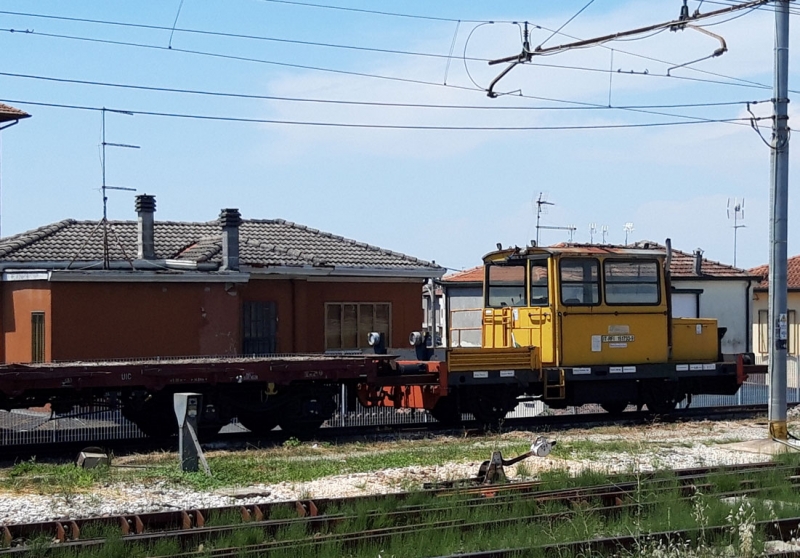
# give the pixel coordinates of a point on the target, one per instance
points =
(443, 195)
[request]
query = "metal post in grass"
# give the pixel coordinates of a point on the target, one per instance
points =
(187, 411)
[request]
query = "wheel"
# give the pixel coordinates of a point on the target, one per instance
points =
(154, 417)
(614, 407)
(490, 412)
(661, 406)
(257, 422)
(301, 414)
(301, 429)
(446, 411)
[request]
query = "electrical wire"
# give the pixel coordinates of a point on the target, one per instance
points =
(476, 87)
(230, 57)
(557, 31)
(230, 35)
(373, 12)
(490, 107)
(351, 47)
(375, 126)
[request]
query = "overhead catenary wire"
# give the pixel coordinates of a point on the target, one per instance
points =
(308, 67)
(230, 94)
(333, 45)
(375, 126)
(557, 31)
(223, 34)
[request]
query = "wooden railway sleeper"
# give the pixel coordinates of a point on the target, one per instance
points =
(306, 508)
(252, 513)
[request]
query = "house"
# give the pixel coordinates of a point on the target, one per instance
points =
(761, 317)
(75, 290)
(10, 116)
(701, 288)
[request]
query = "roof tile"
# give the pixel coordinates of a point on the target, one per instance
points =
(262, 243)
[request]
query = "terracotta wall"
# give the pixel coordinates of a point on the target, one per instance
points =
(129, 320)
(301, 308)
(19, 300)
(133, 320)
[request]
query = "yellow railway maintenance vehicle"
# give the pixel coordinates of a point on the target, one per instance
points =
(574, 325)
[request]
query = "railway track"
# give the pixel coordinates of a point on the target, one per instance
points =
(11, 453)
(358, 526)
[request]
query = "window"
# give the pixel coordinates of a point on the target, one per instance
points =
(580, 282)
(37, 336)
(347, 325)
(764, 336)
(259, 328)
(763, 331)
(633, 282)
(539, 290)
(506, 284)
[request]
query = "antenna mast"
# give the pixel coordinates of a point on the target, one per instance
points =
(628, 228)
(540, 202)
(737, 211)
(105, 187)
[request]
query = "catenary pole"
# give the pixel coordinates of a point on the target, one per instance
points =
(779, 194)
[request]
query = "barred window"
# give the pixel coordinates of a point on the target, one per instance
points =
(37, 337)
(348, 324)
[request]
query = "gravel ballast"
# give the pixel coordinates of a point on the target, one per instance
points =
(657, 446)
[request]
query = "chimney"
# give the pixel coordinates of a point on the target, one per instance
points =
(698, 262)
(230, 219)
(145, 240)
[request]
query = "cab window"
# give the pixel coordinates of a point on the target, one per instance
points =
(505, 284)
(539, 288)
(632, 282)
(580, 281)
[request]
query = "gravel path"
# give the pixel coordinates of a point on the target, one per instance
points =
(662, 446)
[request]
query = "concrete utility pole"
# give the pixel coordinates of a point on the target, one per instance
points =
(779, 194)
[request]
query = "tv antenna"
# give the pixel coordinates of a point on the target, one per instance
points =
(628, 228)
(735, 211)
(592, 230)
(104, 224)
(541, 207)
(604, 232)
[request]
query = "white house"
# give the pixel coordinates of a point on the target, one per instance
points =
(761, 318)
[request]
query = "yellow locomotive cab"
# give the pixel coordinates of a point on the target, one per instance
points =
(577, 324)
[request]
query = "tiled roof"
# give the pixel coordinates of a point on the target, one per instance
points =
(262, 243)
(681, 267)
(474, 275)
(8, 113)
(792, 273)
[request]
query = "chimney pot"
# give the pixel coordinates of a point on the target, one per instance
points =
(230, 219)
(698, 262)
(145, 239)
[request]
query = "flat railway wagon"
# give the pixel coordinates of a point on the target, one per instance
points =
(569, 325)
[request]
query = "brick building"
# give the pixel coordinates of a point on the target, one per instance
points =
(76, 290)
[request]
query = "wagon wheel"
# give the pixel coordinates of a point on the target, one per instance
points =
(490, 412)
(446, 411)
(661, 406)
(154, 417)
(302, 414)
(257, 422)
(614, 407)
